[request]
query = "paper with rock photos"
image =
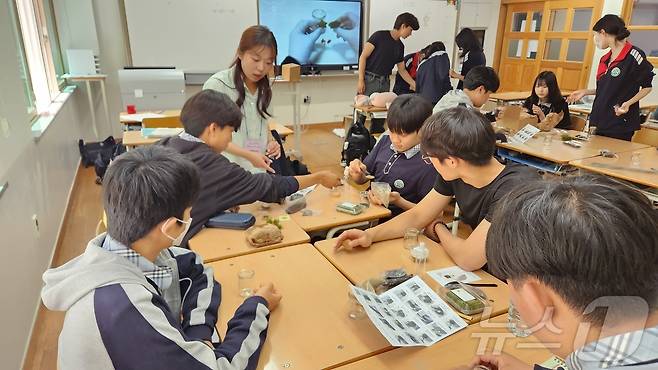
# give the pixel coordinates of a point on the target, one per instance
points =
(411, 314)
(451, 274)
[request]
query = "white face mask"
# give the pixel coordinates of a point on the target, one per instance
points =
(177, 241)
(597, 41)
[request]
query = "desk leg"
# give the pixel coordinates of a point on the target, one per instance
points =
(107, 112)
(92, 109)
(297, 124)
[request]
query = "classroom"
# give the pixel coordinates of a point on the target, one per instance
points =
(329, 184)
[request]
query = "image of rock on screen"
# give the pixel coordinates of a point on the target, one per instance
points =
(313, 31)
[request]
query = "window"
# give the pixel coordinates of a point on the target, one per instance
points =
(642, 20)
(41, 61)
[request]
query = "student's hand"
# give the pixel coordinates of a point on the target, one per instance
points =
(501, 362)
(260, 161)
(536, 110)
(622, 109)
(357, 170)
(361, 87)
(393, 198)
(301, 43)
(271, 295)
(454, 74)
(273, 150)
(576, 95)
(328, 179)
(349, 29)
(412, 86)
(351, 239)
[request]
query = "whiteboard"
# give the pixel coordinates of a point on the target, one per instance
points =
(437, 21)
(198, 36)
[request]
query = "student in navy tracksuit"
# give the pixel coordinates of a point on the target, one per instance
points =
(471, 54)
(433, 75)
(623, 78)
(133, 301)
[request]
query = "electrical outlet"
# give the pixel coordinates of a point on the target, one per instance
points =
(307, 99)
(4, 127)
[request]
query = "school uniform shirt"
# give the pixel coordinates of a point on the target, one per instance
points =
(388, 52)
(407, 172)
(471, 59)
(224, 184)
(547, 108)
(411, 65)
(253, 134)
(637, 350)
(433, 77)
(477, 204)
(119, 312)
(616, 82)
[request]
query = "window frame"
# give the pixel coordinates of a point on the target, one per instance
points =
(626, 15)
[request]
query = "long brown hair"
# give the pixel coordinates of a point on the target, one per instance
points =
(253, 37)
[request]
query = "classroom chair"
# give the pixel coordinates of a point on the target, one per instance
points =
(646, 136)
(162, 122)
(578, 123)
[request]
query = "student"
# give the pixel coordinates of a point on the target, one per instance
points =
(623, 78)
(248, 85)
(411, 61)
(396, 159)
(479, 83)
(471, 54)
(134, 302)
(209, 119)
(580, 256)
(380, 54)
(432, 78)
(460, 143)
(547, 98)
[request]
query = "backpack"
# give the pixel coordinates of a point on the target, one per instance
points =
(100, 154)
(358, 142)
(283, 165)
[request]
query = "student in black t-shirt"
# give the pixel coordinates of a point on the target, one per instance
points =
(547, 98)
(471, 54)
(460, 143)
(623, 78)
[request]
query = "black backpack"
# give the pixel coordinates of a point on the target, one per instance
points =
(100, 154)
(358, 142)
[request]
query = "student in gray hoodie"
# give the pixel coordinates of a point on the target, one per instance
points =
(133, 301)
(479, 83)
(580, 258)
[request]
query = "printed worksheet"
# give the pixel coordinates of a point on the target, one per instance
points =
(451, 274)
(524, 134)
(411, 314)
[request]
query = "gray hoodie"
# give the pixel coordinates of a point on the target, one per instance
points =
(452, 99)
(117, 318)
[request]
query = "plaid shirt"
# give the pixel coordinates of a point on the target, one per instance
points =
(628, 349)
(161, 275)
(409, 152)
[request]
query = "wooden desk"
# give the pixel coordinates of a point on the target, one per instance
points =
(510, 96)
(586, 109)
(370, 111)
(132, 139)
(648, 160)
(361, 264)
(87, 79)
(321, 200)
(561, 153)
(458, 349)
(281, 129)
(310, 329)
(219, 244)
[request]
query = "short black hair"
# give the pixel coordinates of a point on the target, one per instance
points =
(585, 237)
(407, 113)
(482, 76)
(612, 25)
(433, 48)
(144, 187)
(206, 107)
(548, 79)
(408, 19)
(467, 41)
(459, 132)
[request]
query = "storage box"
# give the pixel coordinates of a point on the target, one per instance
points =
(291, 72)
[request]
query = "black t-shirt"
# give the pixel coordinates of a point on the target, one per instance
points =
(471, 59)
(477, 204)
(617, 82)
(388, 52)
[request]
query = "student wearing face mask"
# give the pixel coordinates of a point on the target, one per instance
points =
(623, 78)
(133, 301)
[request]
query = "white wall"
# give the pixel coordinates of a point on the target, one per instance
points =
(481, 14)
(40, 175)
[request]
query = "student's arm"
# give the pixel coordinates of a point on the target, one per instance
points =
(257, 159)
(418, 217)
(579, 94)
(400, 202)
(636, 98)
(325, 178)
(402, 71)
(200, 295)
(129, 316)
(368, 48)
(469, 253)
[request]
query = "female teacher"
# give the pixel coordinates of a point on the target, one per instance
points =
(623, 78)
